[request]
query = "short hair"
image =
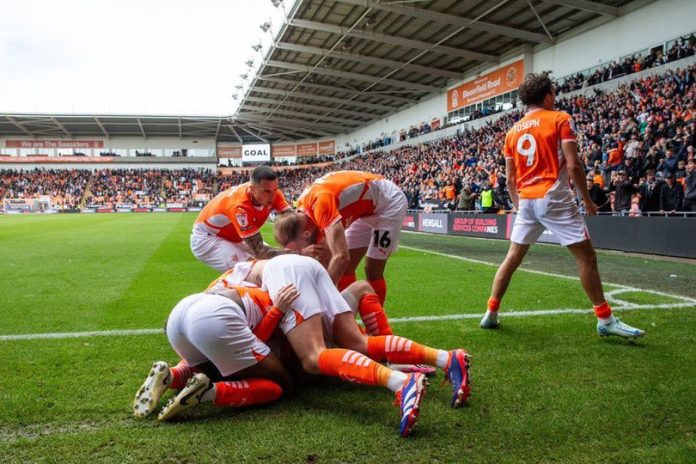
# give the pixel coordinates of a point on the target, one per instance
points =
(535, 88)
(261, 173)
(287, 227)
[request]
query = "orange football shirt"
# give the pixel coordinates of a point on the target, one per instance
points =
(232, 215)
(339, 196)
(534, 144)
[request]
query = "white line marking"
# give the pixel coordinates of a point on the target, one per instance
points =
(96, 333)
(396, 320)
(686, 299)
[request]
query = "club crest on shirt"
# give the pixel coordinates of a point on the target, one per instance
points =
(242, 220)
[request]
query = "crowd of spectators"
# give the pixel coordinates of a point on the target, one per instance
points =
(64, 188)
(681, 48)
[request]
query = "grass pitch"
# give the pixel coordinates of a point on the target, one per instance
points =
(546, 387)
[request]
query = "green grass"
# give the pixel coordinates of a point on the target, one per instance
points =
(546, 388)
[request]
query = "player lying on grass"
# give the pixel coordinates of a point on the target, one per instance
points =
(306, 336)
(538, 177)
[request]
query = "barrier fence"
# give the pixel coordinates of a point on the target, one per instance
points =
(658, 235)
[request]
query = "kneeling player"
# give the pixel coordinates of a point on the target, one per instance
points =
(212, 333)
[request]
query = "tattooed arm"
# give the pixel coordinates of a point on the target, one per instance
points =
(263, 251)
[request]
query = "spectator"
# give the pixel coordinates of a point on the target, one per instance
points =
(690, 186)
(671, 196)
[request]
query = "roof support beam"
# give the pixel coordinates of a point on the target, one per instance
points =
(179, 120)
(290, 123)
(452, 20)
(217, 130)
(303, 114)
(359, 104)
(395, 40)
(293, 104)
(369, 60)
(236, 134)
(142, 129)
(329, 88)
(19, 125)
(61, 127)
(101, 126)
(587, 5)
(255, 132)
(353, 76)
(293, 132)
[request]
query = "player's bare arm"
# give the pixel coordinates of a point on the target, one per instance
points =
(577, 175)
(511, 175)
(338, 247)
(263, 251)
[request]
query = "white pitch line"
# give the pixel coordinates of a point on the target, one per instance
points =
(622, 287)
(396, 320)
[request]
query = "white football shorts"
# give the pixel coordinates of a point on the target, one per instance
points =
(218, 253)
(205, 327)
(380, 232)
(556, 212)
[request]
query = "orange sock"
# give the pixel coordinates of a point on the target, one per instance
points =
(346, 280)
(603, 311)
(180, 374)
(400, 350)
(380, 286)
(352, 366)
(246, 392)
(373, 316)
(493, 304)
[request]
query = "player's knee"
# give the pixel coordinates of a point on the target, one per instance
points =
(360, 288)
(310, 364)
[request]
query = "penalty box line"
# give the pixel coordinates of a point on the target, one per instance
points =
(396, 320)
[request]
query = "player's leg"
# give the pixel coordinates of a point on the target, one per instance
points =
(357, 239)
(258, 384)
(564, 221)
(526, 230)
(607, 324)
(501, 281)
(216, 327)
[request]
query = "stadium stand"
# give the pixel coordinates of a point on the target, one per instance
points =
(644, 125)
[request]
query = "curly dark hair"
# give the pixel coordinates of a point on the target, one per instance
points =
(535, 88)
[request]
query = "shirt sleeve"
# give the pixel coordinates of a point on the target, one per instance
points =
(566, 127)
(325, 212)
(268, 324)
(280, 204)
(242, 221)
(507, 150)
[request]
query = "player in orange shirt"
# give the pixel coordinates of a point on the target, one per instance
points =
(356, 214)
(227, 229)
(537, 176)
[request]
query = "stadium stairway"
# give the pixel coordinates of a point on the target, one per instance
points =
(87, 192)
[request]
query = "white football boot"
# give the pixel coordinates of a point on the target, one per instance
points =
(154, 386)
(490, 320)
(618, 328)
(190, 396)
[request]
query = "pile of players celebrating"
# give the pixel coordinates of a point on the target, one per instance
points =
(276, 314)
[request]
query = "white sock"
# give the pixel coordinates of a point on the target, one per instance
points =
(396, 380)
(442, 358)
(209, 395)
(606, 320)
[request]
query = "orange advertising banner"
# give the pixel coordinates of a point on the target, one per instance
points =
(306, 149)
(327, 147)
(229, 152)
(505, 79)
(283, 150)
(435, 123)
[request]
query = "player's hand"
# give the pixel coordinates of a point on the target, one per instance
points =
(286, 297)
(590, 208)
(314, 251)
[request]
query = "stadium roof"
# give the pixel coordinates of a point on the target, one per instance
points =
(337, 65)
